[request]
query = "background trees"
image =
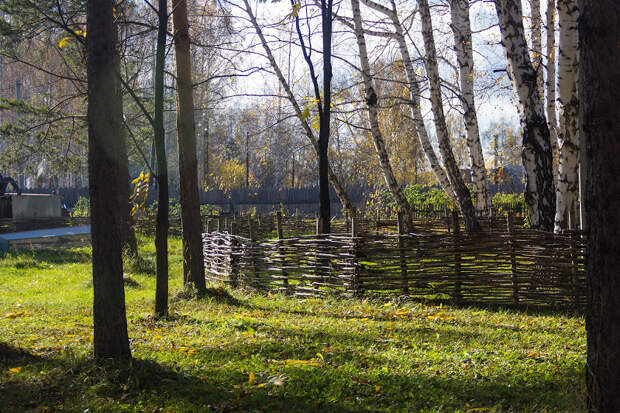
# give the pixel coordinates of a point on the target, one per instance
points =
(256, 122)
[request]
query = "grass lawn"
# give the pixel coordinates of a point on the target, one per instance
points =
(244, 352)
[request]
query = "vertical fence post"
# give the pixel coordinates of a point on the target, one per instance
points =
(513, 259)
(282, 251)
(355, 280)
(458, 293)
(377, 223)
(491, 219)
(234, 256)
(447, 218)
(318, 224)
(401, 253)
(251, 250)
(279, 225)
(209, 225)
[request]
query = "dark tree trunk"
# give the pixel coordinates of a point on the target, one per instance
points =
(324, 128)
(161, 223)
(324, 108)
(599, 35)
(105, 166)
(193, 264)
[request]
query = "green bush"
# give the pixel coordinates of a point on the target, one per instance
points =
(514, 203)
(81, 208)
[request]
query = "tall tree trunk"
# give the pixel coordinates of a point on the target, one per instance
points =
(537, 162)
(568, 138)
(414, 96)
(552, 120)
(371, 102)
(537, 46)
(161, 223)
(104, 165)
(461, 27)
(463, 196)
(325, 117)
(599, 77)
(339, 189)
(193, 261)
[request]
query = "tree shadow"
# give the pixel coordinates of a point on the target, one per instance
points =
(34, 258)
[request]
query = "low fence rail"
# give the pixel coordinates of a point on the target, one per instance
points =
(512, 267)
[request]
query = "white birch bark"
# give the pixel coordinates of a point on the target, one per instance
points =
(568, 138)
(461, 26)
(551, 53)
(340, 192)
(537, 161)
(443, 137)
(537, 46)
(371, 101)
(414, 96)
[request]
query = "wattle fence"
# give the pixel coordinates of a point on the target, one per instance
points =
(512, 266)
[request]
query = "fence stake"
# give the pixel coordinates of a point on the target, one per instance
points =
(234, 256)
(377, 223)
(458, 293)
(281, 251)
(279, 224)
(513, 259)
(447, 217)
(209, 225)
(401, 253)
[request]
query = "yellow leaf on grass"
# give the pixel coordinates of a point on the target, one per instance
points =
(378, 388)
(63, 42)
(15, 370)
(251, 379)
(15, 315)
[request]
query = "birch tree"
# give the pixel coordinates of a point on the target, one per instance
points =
(432, 70)
(537, 161)
(568, 139)
(461, 26)
(338, 188)
(550, 85)
(414, 95)
(371, 103)
(536, 23)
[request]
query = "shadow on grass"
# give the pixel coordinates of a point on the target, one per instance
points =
(78, 384)
(36, 258)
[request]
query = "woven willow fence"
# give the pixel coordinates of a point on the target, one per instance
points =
(511, 267)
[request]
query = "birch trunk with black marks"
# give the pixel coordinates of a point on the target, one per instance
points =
(333, 180)
(599, 77)
(536, 156)
(461, 26)
(371, 102)
(414, 96)
(552, 120)
(193, 261)
(537, 46)
(568, 137)
(463, 196)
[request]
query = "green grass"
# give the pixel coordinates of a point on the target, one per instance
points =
(240, 351)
